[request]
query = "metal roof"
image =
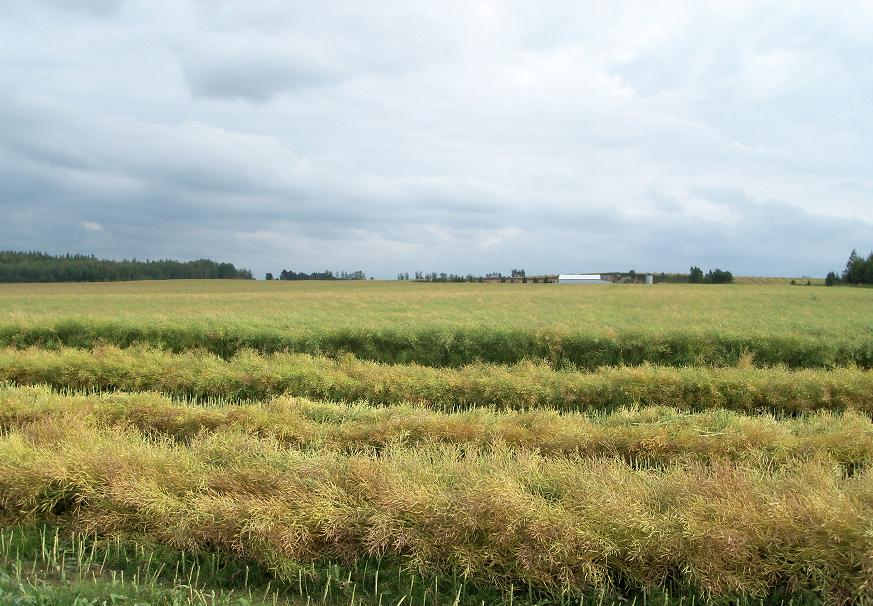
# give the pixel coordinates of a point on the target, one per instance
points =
(579, 277)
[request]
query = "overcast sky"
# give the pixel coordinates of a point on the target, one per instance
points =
(456, 136)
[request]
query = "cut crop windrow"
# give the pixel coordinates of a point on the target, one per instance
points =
(644, 436)
(251, 376)
(505, 517)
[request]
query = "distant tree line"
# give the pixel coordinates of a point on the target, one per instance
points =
(421, 276)
(319, 275)
(42, 267)
(695, 276)
(713, 276)
(858, 270)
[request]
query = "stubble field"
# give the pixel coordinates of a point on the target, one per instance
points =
(236, 442)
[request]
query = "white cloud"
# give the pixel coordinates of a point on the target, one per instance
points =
(92, 226)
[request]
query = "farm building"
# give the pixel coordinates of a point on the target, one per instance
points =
(581, 279)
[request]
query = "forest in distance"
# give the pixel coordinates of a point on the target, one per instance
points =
(42, 267)
(25, 267)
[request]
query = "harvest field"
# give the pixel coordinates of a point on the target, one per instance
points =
(240, 442)
(454, 324)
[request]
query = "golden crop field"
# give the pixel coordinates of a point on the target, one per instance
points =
(454, 324)
(241, 442)
(314, 305)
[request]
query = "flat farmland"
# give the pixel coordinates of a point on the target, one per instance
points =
(319, 305)
(454, 324)
(241, 442)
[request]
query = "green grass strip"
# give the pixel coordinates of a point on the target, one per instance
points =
(43, 565)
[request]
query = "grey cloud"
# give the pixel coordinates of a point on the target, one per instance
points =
(253, 78)
(663, 202)
(434, 136)
(93, 7)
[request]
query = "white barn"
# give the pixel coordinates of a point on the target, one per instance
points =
(581, 279)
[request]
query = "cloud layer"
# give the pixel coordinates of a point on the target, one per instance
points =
(447, 136)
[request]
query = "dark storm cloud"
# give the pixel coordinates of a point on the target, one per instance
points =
(451, 137)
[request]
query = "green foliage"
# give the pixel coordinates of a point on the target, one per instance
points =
(443, 277)
(718, 276)
(41, 565)
(41, 267)
(713, 276)
(858, 269)
(320, 275)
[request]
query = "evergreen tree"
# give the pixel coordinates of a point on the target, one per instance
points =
(718, 276)
(42, 267)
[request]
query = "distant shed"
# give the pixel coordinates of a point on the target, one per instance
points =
(581, 279)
